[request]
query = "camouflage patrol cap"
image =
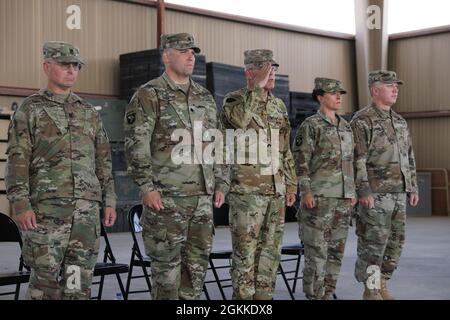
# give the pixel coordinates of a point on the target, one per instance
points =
(259, 56)
(179, 41)
(61, 51)
(328, 85)
(384, 76)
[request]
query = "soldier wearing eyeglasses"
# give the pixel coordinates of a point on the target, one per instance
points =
(57, 178)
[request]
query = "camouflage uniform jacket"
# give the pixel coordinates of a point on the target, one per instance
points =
(152, 116)
(384, 158)
(323, 153)
(245, 109)
(57, 149)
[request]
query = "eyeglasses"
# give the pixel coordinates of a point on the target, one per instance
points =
(66, 65)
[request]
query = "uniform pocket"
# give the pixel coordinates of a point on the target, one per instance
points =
(37, 250)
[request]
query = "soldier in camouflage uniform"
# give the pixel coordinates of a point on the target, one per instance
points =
(58, 177)
(177, 218)
(385, 175)
(323, 152)
(257, 199)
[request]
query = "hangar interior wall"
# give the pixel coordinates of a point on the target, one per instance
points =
(110, 28)
(423, 63)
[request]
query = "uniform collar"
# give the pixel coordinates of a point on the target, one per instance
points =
(382, 114)
(270, 96)
(172, 85)
(325, 118)
(47, 94)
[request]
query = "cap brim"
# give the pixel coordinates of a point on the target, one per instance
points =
(274, 63)
(393, 81)
(196, 50)
(388, 82)
(334, 91)
(69, 60)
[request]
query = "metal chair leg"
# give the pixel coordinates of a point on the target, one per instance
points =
(297, 267)
(216, 276)
(286, 282)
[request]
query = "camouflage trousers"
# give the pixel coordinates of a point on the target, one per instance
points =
(178, 239)
(63, 249)
(381, 235)
(323, 230)
(257, 226)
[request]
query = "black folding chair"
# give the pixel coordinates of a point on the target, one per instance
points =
(108, 267)
(9, 232)
(218, 255)
(296, 250)
(137, 258)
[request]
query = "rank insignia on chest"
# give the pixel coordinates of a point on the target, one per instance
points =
(131, 118)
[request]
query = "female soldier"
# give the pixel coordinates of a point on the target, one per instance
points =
(323, 152)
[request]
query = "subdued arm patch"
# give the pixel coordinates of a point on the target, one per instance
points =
(131, 117)
(298, 140)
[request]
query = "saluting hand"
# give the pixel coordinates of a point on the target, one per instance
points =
(258, 77)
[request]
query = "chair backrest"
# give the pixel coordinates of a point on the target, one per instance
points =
(134, 215)
(108, 254)
(9, 231)
(220, 215)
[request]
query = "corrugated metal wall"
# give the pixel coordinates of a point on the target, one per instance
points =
(423, 63)
(303, 57)
(110, 28)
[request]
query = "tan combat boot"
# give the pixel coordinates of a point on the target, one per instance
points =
(385, 294)
(328, 296)
(371, 294)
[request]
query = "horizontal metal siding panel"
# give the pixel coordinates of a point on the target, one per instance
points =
(429, 138)
(303, 57)
(423, 64)
(108, 29)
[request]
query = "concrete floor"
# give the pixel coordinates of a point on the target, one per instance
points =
(423, 273)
